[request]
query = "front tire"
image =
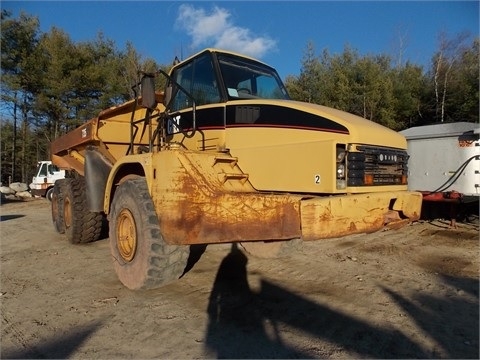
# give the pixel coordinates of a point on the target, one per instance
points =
(142, 259)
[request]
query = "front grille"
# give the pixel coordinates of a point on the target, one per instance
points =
(373, 165)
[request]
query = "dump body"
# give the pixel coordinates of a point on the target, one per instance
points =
(110, 133)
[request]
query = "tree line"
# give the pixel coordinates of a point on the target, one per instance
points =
(51, 84)
(398, 96)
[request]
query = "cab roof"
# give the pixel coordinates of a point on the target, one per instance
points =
(220, 51)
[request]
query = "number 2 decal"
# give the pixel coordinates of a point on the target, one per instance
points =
(317, 179)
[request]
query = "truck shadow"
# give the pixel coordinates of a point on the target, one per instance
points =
(196, 252)
(246, 324)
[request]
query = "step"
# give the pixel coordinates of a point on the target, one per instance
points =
(224, 177)
(225, 159)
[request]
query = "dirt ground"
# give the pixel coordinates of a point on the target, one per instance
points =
(408, 293)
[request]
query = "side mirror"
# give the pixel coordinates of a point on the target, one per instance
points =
(148, 92)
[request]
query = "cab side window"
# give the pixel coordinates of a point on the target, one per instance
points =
(198, 78)
(183, 77)
(52, 168)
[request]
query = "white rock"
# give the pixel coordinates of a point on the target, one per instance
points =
(23, 194)
(18, 187)
(6, 190)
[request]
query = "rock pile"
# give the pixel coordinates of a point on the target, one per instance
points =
(15, 190)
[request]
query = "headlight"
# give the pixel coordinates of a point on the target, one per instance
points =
(341, 171)
(341, 166)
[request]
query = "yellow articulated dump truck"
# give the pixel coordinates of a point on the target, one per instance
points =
(222, 155)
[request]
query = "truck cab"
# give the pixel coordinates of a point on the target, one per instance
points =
(222, 101)
(44, 179)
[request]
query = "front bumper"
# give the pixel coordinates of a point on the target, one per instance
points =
(336, 216)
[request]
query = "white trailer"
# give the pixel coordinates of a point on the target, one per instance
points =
(444, 157)
(44, 179)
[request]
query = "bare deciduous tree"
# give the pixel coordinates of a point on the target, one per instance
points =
(449, 51)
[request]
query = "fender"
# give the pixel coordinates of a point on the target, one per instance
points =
(127, 167)
(97, 168)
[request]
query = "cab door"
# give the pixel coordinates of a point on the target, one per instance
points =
(199, 78)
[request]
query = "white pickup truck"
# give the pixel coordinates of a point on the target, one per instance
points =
(44, 179)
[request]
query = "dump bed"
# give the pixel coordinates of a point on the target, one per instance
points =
(109, 132)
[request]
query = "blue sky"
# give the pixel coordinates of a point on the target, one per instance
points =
(276, 32)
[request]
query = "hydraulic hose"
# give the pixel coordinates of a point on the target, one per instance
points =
(455, 176)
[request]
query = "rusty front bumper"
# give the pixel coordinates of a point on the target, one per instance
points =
(336, 216)
(205, 199)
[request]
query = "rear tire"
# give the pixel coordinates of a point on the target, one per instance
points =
(81, 226)
(142, 259)
(57, 206)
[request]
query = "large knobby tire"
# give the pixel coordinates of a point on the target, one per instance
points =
(57, 206)
(141, 257)
(81, 226)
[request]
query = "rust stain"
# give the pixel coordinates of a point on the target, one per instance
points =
(198, 210)
(194, 207)
(227, 218)
(362, 213)
(352, 227)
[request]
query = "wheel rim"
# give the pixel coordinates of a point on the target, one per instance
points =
(126, 235)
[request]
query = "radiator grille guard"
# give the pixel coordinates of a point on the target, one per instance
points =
(372, 165)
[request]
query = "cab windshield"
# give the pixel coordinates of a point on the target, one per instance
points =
(245, 79)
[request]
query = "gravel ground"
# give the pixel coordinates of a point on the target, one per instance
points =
(407, 293)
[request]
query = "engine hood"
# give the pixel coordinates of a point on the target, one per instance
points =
(360, 130)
